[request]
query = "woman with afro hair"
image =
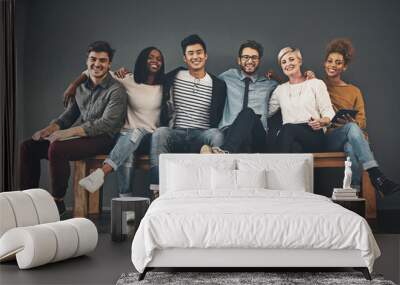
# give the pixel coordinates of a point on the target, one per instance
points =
(348, 134)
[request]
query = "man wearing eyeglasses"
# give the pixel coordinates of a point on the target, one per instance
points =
(244, 121)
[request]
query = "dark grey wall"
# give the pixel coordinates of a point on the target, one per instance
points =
(55, 34)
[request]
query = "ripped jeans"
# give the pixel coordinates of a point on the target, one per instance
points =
(122, 156)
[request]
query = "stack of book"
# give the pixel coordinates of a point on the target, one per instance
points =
(343, 194)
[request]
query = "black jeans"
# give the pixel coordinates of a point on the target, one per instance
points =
(246, 134)
(296, 138)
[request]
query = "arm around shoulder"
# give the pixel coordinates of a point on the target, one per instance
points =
(322, 99)
(274, 104)
(69, 93)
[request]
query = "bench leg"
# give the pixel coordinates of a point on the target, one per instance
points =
(94, 202)
(368, 192)
(80, 194)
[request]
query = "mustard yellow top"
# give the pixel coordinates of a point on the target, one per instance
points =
(348, 97)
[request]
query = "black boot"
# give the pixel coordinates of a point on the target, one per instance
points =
(385, 185)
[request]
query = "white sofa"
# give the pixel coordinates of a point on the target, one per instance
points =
(31, 231)
(247, 210)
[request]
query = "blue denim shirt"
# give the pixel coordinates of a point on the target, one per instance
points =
(260, 90)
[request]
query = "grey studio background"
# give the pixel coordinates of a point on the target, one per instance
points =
(52, 36)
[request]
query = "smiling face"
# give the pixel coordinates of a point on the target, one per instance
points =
(98, 64)
(154, 61)
(290, 64)
(334, 65)
(195, 57)
(249, 60)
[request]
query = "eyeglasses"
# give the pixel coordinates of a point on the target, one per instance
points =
(248, 57)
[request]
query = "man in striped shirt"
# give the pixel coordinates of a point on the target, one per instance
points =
(197, 99)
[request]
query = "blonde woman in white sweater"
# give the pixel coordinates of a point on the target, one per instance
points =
(305, 105)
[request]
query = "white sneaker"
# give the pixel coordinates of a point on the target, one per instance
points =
(94, 181)
(218, 150)
(206, 149)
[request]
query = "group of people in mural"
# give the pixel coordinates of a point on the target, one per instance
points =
(148, 111)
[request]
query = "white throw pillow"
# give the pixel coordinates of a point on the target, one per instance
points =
(189, 176)
(281, 174)
(293, 180)
(183, 178)
(223, 179)
(251, 178)
(226, 179)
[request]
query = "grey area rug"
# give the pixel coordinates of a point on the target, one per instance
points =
(243, 278)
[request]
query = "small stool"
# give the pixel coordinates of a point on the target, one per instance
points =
(138, 205)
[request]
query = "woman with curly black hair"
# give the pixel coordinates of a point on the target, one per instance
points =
(348, 134)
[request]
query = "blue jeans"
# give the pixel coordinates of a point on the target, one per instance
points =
(351, 140)
(180, 140)
(122, 156)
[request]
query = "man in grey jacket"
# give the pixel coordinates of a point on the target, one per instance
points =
(86, 128)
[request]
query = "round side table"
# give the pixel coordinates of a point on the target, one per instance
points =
(138, 205)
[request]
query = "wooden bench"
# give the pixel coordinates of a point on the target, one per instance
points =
(336, 159)
(91, 203)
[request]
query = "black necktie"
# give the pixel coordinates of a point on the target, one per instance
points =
(246, 92)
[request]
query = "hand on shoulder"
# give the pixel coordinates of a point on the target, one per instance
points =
(121, 73)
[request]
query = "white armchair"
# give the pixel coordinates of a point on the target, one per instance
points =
(31, 231)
